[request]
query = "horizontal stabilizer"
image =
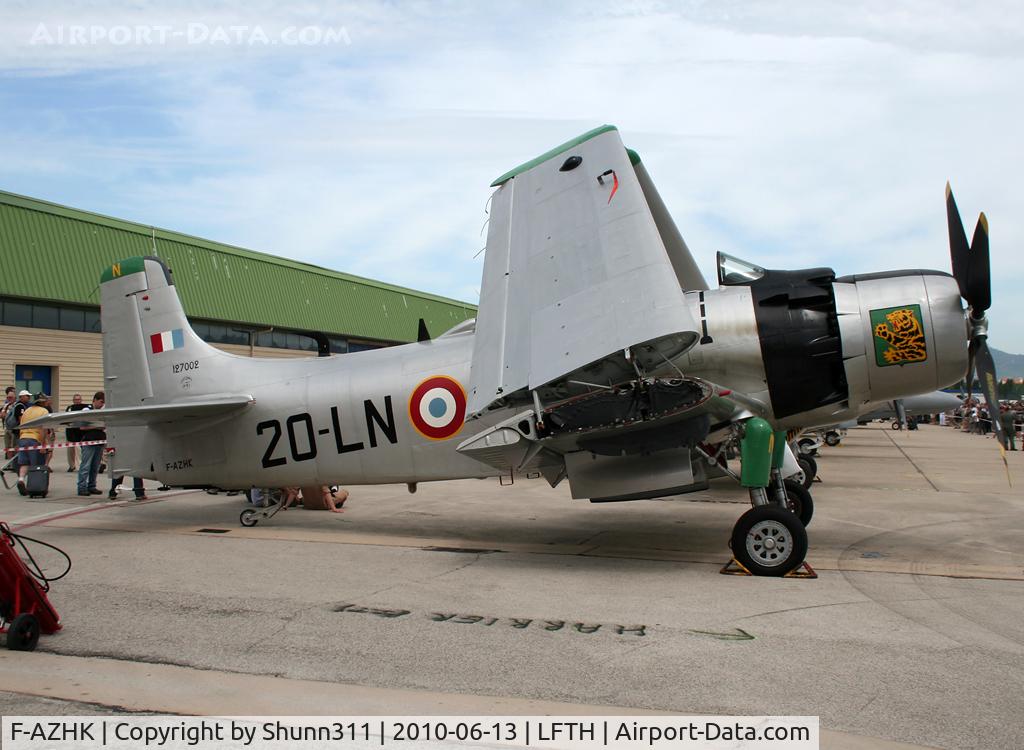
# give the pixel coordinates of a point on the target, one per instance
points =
(147, 415)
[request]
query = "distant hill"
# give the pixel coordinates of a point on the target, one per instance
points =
(1008, 365)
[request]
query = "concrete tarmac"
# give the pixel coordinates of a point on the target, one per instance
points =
(471, 598)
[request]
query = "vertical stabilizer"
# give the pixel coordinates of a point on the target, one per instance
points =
(146, 335)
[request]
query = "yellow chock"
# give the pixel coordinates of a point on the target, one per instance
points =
(804, 570)
(735, 568)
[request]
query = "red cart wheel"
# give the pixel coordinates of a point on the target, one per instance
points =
(23, 634)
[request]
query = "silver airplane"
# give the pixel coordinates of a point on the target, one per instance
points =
(599, 356)
(899, 409)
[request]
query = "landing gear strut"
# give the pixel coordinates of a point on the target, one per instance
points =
(252, 516)
(770, 539)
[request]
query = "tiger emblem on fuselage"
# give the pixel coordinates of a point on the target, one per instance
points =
(905, 337)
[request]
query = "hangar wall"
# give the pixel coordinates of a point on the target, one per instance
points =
(75, 359)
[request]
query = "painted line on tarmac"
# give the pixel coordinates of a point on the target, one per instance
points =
(919, 470)
(62, 514)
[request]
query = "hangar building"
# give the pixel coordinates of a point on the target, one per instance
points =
(242, 301)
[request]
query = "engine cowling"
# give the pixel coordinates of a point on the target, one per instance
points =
(903, 333)
(822, 349)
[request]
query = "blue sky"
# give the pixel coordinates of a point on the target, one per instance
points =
(792, 134)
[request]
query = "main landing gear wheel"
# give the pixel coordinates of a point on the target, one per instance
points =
(808, 471)
(799, 501)
(806, 446)
(248, 517)
(769, 541)
(23, 634)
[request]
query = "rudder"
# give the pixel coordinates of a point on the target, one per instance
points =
(143, 321)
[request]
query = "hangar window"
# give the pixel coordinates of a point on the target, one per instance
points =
(45, 316)
(92, 321)
(237, 336)
(40, 315)
(18, 314)
(71, 319)
(219, 333)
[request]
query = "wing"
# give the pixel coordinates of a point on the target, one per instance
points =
(676, 413)
(577, 282)
(149, 415)
(687, 273)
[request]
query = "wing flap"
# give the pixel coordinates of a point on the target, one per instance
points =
(147, 415)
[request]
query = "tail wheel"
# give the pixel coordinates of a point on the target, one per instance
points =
(769, 541)
(799, 501)
(806, 446)
(832, 439)
(23, 634)
(809, 469)
(248, 518)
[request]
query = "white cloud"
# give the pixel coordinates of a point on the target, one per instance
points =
(792, 134)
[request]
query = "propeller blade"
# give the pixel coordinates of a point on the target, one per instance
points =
(972, 348)
(959, 250)
(979, 275)
(987, 376)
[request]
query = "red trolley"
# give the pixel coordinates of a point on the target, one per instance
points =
(25, 610)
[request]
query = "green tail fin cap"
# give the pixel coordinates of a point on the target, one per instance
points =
(124, 267)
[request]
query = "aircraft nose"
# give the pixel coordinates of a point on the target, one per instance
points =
(903, 333)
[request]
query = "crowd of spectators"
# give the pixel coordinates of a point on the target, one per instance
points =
(974, 417)
(25, 447)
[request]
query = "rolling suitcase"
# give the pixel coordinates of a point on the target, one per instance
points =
(37, 481)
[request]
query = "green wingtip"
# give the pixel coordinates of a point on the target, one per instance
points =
(634, 157)
(553, 152)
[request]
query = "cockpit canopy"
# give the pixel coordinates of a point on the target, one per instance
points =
(733, 271)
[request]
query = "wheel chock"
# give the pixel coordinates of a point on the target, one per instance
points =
(735, 568)
(803, 570)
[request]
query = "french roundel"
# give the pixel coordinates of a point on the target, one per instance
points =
(437, 408)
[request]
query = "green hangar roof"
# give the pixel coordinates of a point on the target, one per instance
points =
(65, 250)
